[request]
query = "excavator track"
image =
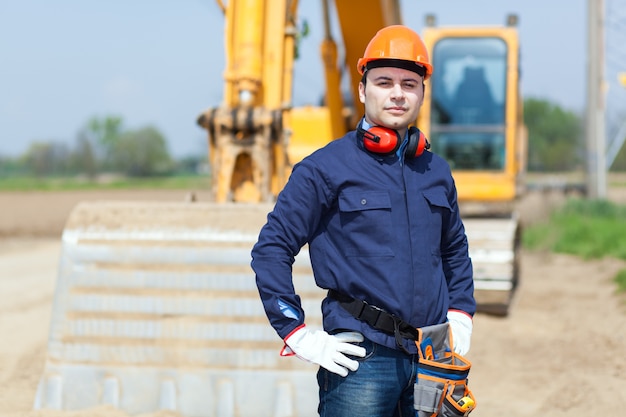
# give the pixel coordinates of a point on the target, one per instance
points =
(494, 249)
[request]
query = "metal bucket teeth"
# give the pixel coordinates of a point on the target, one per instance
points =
(156, 308)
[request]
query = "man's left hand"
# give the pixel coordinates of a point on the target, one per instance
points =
(461, 326)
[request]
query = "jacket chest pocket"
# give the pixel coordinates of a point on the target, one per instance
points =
(439, 215)
(365, 218)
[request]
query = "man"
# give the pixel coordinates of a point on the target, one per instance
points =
(385, 238)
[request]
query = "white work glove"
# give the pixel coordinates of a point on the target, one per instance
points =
(326, 350)
(461, 326)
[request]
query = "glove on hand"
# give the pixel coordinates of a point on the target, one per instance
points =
(461, 326)
(324, 349)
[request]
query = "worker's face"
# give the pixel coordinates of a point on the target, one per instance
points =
(392, 97)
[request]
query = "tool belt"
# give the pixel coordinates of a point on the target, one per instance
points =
(441, 385)
(440, 388)
(377, 318)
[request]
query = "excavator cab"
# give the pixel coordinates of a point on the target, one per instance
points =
(468, 119)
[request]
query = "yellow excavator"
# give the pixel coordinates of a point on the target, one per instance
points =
(156, 307)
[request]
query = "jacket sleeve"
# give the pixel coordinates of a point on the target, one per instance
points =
(457, 264)
(289, 226)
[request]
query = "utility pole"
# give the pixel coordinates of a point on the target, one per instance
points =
(596, 124)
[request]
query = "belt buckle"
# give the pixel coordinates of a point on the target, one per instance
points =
(371, 314)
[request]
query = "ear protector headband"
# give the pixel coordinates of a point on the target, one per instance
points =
(387, 141)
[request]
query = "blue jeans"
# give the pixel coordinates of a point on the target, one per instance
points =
(381, 387)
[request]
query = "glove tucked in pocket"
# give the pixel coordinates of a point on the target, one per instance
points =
(441, 384)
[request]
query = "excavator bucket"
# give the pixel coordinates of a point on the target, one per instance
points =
(156, 308)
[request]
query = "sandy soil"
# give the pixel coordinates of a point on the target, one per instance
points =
(561, 351)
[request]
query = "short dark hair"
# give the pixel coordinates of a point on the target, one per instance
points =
(368, 67)
(397, 63)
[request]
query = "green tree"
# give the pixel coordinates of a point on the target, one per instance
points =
(104, 133)
(10, 167)
(555, 136)
(190, 165)
(46, 158)
(83, 159)
(141, 153)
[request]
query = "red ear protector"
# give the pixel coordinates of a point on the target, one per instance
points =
(387, 141)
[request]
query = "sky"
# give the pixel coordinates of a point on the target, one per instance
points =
(160, 63)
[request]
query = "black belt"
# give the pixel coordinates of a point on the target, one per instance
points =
(376, 317)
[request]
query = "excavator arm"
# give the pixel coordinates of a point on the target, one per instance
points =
(255, 134)
(247, 131)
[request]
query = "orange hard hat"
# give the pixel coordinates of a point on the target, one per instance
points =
(396, 46)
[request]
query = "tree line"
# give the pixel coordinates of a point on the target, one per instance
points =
(103, 145)
(556, 139)
(556, 143)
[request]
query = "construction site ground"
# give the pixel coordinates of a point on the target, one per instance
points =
(560, 352)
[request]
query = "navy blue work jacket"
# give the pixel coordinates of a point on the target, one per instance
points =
(378, 230)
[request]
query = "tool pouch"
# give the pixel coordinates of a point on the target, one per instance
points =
(441, 383)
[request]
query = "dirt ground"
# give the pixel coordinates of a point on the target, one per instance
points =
(561, 351)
